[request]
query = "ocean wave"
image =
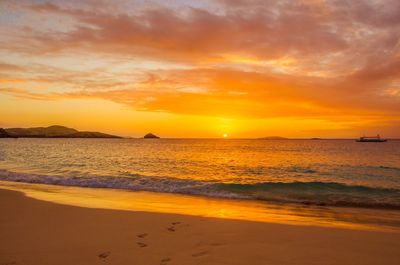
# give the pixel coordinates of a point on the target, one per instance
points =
(134, 182)
(319, 193)
(306, 193)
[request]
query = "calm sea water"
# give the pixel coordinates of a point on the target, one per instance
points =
(315, 172)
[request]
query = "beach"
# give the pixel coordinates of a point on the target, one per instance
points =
(41, 232)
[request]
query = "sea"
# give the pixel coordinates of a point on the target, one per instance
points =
(338, 173)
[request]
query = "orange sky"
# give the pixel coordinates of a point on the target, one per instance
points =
(203, 68)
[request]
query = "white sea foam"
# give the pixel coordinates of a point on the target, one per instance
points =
(134, 183)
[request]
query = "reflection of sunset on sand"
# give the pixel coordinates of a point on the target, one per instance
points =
(360, 219)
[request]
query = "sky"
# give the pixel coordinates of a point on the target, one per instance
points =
(245, 68)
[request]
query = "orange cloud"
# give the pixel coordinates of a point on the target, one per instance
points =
(255, 59)
(232, 93)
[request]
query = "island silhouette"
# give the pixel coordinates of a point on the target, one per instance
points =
(54, 131)
(151, 136)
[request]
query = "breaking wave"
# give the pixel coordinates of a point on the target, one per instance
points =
(307, 193)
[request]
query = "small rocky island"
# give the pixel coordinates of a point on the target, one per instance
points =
(151, 136)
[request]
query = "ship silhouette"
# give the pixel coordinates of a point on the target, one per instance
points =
(376, 139)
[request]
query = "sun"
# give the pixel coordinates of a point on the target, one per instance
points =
(225, 135)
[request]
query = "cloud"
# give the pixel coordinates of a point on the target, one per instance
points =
(228, 93)
(5, 67)
(245, 59)
(194, 35)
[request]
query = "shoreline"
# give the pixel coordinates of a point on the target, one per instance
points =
(202, 206)
(41, 232)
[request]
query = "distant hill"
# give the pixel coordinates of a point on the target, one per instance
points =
(273, 138)
(50, 131)
(3, 133)
(91, 135)
(55, 131)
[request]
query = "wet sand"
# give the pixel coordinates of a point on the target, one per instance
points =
(39, 232)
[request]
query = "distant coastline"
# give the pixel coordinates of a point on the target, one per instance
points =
(59, 131)
(273, 138)
(54, 131)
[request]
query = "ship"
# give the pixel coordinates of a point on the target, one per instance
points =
(374, 139)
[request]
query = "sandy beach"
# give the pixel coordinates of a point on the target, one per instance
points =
(39, 232)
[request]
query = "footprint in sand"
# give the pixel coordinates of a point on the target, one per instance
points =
(199, 254)
(165, 261)
(173, 227)
(141, 244)
(142, 235)
(104, 255)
